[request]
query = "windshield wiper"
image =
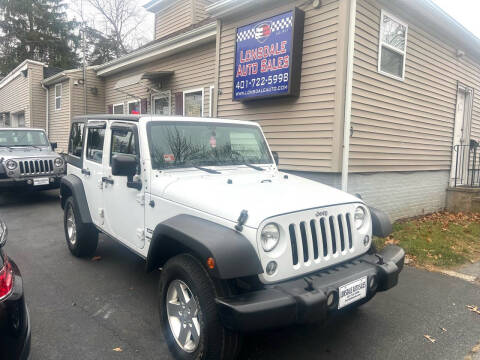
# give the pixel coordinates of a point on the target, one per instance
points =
(210, 171)
(254, 166)
(34, 146)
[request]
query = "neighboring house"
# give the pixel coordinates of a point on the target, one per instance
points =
(174, 74)
(69, 95)
(22, 98)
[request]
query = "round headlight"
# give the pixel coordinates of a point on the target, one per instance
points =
(270, 236)
(360, 217)
(11, 165)
(58, 162)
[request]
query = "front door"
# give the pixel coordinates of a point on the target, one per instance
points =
(124, 206)
(92, 171)
(461, 137)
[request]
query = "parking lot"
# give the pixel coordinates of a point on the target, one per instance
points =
(106, 308)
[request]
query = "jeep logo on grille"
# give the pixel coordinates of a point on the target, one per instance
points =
(321, 213)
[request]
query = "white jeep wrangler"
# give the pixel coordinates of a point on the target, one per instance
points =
(241, 246)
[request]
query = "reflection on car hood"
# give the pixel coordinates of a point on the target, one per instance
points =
(24, 152)
(263, 194)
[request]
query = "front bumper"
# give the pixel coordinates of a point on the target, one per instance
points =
(26, 183)
(304, 299)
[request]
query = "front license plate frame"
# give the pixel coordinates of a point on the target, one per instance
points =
(352, 292)
(41, 181)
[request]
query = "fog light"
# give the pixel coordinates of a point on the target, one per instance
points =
(52, 180)
(29, 182)
(271, 268)
(331, 299)
(366, 240)
(372, 282)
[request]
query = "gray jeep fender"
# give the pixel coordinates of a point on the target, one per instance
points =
(233, 254)
(71, 185)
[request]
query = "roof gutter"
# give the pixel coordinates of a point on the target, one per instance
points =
(161, 49)
(15, 72)
(225, 8)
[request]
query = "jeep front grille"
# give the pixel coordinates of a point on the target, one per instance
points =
(319, 238)
(36, 167)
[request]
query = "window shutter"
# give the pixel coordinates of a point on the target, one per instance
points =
(143, 106)
(179, 103)
(110, 109)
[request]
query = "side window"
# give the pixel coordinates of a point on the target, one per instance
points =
(95, 140)
(75, 144)
(123, 142)
(392, 46)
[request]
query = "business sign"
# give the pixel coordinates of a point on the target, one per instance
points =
(268, 57)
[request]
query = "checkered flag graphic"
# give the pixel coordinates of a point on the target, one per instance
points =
(275, 26)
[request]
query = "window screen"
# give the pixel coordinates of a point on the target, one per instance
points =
(95, 140)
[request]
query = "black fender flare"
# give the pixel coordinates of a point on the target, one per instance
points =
(381, 224)
(72, 185)
(233, 254)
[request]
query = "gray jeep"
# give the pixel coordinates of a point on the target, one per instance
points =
(28, 160)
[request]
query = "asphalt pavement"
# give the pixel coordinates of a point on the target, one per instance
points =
(107, 308)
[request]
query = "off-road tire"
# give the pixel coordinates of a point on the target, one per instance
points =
(86, 234)
(216, 342)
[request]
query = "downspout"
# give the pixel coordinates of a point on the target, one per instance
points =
(348, 94)
(46, 111)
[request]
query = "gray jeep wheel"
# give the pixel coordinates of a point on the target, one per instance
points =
(82, 239)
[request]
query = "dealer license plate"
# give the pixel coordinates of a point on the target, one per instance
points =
(41, 181)
(351, 292)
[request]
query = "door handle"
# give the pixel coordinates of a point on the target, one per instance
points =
(107, 180)
(86, 172)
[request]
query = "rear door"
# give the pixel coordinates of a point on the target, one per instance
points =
(92, 171)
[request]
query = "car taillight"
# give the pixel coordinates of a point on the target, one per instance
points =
(6, 280)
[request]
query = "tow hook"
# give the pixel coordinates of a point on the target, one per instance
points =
(380, 259)
(241, 220)
(309, 282)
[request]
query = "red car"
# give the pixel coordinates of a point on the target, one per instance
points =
(14, 318)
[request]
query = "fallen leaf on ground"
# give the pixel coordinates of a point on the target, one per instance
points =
(443, 329)
(96, 258)
(117, 349)
(476, 348)
(429, 338)
(474, 309)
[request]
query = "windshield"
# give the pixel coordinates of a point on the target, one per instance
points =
(23, 138)
(201, 144)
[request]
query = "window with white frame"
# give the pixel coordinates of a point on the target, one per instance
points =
(134, 107)
(193, 102)
(118, 108)
(392, 46)
(210, 107)
(161, 103)
(58, 96)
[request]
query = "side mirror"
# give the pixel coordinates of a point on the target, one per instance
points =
(124, 165)
(54, 145)
(3, 233)
(275, 157)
